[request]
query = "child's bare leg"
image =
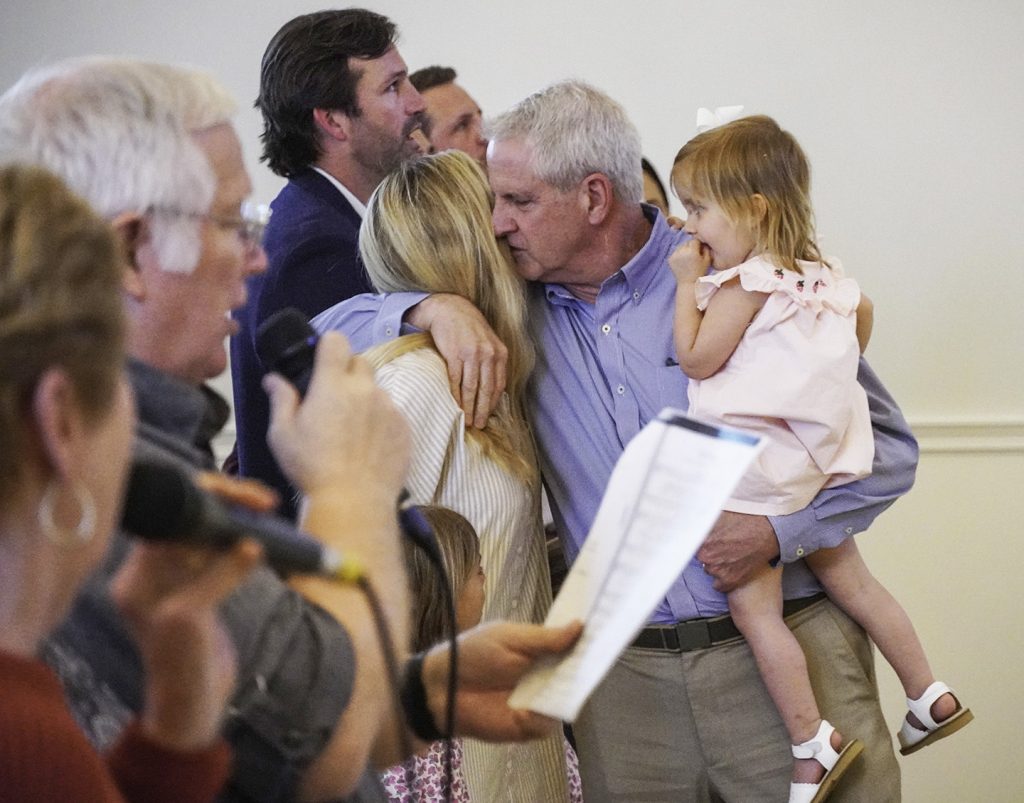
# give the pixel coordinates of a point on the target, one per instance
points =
(853, 588)
(757, 611)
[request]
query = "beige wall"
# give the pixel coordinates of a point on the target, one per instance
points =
(952, 552)
(911, 114)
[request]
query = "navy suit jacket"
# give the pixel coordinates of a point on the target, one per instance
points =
(312, 245)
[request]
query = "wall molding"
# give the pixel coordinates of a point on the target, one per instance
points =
(969, 435)
(934, 435)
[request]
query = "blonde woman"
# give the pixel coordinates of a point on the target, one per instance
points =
(428, 228)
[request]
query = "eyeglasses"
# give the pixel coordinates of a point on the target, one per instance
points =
(250, 224)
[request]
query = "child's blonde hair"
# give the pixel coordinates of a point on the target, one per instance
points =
(460, 548)
(754, 156)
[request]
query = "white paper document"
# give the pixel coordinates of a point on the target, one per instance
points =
(662, 499)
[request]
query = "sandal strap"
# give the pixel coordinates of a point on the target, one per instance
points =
(819, 747)
(922, 706)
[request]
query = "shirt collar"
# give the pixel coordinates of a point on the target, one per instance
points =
(192, 414)
(649, 261)
(358, 205)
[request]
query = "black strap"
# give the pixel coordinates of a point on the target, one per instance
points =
(414, 702)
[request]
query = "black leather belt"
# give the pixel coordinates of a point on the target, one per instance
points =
(697, 634)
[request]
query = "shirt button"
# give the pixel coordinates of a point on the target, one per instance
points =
(636, 295)
(621, 389)
(606, 328)
(388, 331)
(849, 530)
(799, 551)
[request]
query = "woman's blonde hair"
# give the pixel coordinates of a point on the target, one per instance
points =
(60, 305)
(428, 228)
(460, 549)
(750, 156)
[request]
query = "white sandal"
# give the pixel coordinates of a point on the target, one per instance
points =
(913, 738)
(820, 749)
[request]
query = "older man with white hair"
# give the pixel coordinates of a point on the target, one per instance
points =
(152, 147)
(683, 714)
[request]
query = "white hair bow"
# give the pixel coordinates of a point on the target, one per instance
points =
(707, 119)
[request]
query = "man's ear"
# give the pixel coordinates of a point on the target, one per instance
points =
(597, 196)
(133, 231)
(333, 123)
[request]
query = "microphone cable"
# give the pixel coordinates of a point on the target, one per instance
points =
(286, 343)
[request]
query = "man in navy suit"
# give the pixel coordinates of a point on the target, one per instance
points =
(339, 113)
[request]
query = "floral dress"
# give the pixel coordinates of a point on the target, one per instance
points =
(422, 779)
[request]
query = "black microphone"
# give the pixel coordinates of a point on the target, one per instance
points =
(287, 343)
(163, 504)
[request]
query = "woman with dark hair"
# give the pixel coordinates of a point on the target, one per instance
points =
(66, 426)
(654, 190)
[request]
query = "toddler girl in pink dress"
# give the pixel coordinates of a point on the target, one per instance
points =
(770, 340)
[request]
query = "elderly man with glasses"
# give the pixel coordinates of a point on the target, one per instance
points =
(152, 147)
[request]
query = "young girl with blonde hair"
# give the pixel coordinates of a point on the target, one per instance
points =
(423, 778)
(771, 341)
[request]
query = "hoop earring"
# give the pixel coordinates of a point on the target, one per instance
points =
(83, 532)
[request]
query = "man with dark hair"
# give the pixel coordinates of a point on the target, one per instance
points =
(339, 113)
(429, 77)
(454, 120)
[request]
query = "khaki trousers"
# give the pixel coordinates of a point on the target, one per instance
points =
(700, 726)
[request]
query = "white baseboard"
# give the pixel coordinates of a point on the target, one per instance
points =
(969, 435)
(935, 436)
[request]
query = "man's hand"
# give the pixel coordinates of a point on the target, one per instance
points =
(346, 435)
(739, 546)
(346, 447)
(493, 657)
(476, 357)
(169, 595)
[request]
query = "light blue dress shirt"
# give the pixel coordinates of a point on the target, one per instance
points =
(606, 369)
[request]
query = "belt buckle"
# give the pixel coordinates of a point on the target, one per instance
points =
(693, 635)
